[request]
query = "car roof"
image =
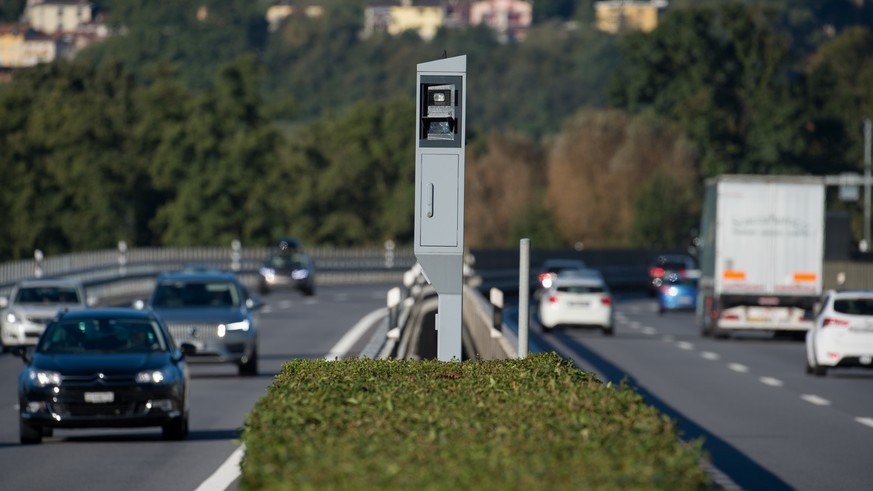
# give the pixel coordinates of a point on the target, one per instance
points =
(851, 293)
(197, 276)
(49, 282)
(107, 313)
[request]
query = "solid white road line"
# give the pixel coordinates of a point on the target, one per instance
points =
(738, 367)
(865, 421)
(352, 337)
(229, 470)
(814, 399)
(225, 475)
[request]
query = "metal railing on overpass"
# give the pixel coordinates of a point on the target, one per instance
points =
(125, 272)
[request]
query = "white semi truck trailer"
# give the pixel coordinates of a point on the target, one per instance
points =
(761, 251)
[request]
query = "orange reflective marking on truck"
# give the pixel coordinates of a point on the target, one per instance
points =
(731, 274)
(805, 277)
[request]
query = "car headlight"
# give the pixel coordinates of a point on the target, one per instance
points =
(11, 318)
(299, 274)
(268, 273)
(242, 325)
(154, 376)
(43, 378)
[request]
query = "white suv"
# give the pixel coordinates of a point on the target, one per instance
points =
(32, 304)
(842, 335)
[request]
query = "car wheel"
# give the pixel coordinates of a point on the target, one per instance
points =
(249, 368)
(309, 291)
(263, 290)
(608, 330)
(177, 429)
(28, 433)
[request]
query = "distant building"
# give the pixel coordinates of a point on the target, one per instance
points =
(22, 46)
(616, 16)
(284, 9)
(57, 16)
(509, 19)
(425, 17)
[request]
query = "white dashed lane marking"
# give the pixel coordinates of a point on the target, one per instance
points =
(814, 399)
(709, 355)
(738, 367)
(772, 382)
(649, 330)
(685, 345)
(865, 421)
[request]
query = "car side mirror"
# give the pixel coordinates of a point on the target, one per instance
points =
(188, 349)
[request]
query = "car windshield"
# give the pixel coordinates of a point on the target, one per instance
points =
(47, 295)
(854, 306)
(580, 289)
(180, 294)
(295, 261)
(101, 336)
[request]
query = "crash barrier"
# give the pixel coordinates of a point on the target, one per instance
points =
(131, 271)
(413, 336)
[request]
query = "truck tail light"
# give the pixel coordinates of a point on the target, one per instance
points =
(553, 299)
(606, 300)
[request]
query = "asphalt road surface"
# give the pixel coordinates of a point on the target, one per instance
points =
(292, 326)
(766, 423)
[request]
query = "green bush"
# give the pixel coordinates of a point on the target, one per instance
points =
(537, 423)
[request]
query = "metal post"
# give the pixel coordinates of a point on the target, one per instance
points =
(496, 297)
(867, 132)
(122, 258)
(235, 254)
(523, 297)
(38, 258)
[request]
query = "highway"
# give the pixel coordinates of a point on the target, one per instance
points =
(766, 423)
(292, 326)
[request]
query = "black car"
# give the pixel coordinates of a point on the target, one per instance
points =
(290, 269)
(104, 368)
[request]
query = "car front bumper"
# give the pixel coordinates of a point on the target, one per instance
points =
(131, 406)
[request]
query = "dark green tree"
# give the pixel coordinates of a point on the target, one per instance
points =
(208, 163)
(728, 78)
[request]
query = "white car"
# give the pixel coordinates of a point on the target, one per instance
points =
(842, 335)
(31, 304)
(578, 298)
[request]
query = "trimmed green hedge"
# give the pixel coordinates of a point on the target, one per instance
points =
(537, 423)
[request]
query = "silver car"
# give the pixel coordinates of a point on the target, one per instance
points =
(32, 304)
(214, 312)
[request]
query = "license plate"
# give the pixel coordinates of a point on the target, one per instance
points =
(580, 304)
(99, 397)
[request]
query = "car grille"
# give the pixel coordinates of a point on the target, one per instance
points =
(128, 399)
(188, 331)
(38, 320)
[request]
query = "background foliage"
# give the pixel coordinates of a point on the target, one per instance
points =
(195, 124)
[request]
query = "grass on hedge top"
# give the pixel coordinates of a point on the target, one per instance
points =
(536, 423)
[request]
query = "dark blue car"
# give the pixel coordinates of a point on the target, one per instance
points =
(677, 293)
(104, 367)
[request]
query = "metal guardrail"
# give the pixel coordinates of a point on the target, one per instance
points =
(131, 272)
